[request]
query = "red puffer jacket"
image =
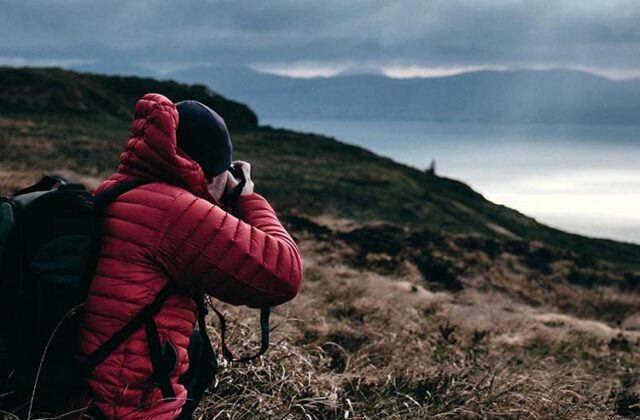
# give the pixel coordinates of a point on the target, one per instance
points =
(172, 229)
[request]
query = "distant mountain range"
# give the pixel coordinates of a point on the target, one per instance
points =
(519, 96)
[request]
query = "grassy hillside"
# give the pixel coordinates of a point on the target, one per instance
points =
(85, 119)
(420, 298)
(58, 92)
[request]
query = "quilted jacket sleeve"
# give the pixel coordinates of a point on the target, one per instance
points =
(245, 260)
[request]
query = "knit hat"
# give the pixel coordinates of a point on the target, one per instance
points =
(203, 135)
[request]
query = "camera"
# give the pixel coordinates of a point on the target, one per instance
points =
(238, 174)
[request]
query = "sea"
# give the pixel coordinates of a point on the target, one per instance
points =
(580, 178)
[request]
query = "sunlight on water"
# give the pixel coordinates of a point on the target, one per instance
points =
(584, 179)
(593, 202)
(589, 193)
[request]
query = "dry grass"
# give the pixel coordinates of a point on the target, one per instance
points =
(356, 344)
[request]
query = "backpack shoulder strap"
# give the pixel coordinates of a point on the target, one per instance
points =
(144, 317)
(100, 201)
(106, 197)
(98, 356)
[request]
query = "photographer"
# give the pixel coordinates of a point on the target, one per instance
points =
(191, 225)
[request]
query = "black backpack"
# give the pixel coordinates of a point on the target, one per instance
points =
(49, 248)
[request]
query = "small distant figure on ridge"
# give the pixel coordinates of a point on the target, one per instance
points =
(431, 170)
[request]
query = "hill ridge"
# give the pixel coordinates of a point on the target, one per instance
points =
(54, 90)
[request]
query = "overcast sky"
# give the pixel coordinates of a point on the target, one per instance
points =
(322, 37)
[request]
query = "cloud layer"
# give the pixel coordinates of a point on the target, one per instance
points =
(355, 34)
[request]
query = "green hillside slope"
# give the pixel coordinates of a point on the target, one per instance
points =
(54, 119)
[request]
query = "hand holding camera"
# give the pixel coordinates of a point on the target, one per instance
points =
(239, 179)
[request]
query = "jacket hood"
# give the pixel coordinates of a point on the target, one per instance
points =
(152, 151)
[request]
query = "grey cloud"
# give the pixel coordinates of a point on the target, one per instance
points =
(430, 32)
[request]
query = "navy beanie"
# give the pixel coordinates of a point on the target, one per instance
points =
(203, 135)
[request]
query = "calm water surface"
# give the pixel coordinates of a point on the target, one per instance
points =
(584, 179)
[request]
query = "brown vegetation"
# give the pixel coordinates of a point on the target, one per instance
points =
(380, 343)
